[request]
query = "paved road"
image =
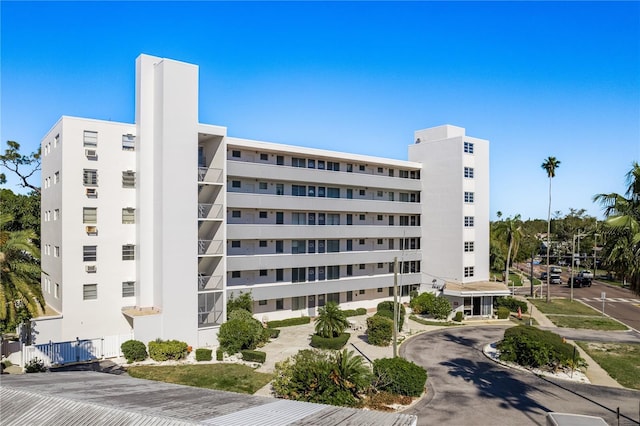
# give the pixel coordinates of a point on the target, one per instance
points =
(465, 387)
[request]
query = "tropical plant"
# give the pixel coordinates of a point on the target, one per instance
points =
(331, 321)
(16, 162)
(20, 292)
(241, 331)
(549, 165)
(243, 301)
(622, 233)
(510, 230)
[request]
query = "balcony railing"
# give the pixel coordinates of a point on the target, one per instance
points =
(209, 175)
(210, 211)
(209, 282)
(209, 247)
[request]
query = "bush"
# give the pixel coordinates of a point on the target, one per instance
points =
(219, 354)
(254, 356)
(379, 330)
(134, 350)
(441, 308)
(399, 376)
(334, 343)
(512, 304)
(243, 301)
(273, 332)
(242, 331)
(289, 322)
(503, 312)
(163, 350)
(386, 309)
(459, 316)
(36, 365)
(203, 354)
(355, 312)
(422, 303)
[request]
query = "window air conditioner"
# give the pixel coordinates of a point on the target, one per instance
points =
(92, 230)
(91, 153)
(92, 192)
(91, 268)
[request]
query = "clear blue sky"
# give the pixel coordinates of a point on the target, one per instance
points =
(536, 79)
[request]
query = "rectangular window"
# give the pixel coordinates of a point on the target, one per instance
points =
(236, 214)
(56, 290)
(90, 139)
(468, 271)
(404, 174)
(56, 214)
(279, 274)
(361, 292)
(262, 243)
(262, 215)
(128, 142)
(349, 245)
(128, 179)
(361, 241)
(349, 219)
(349, 270)
(311, 246)
(333, 272)
(311, 164)
(279, 246)
(128, 288)
(321, 246)
(362, 217)
(361, 266)
(298, 246)
(468, 246)
(333, 246)
(468, 172)
(380, 265)
(379, 194)
(380, 217)
(312, 274)
(468, 147)
(468, 197)
(235, 154)
(333, 192)
(235, 244)
(392, 196)
(298, 218)
(361, 167)
(236, 184)
(262, 302)
(349, 168)
(128, 215)
(333, 219)
(331, 165)
(380, 170)
(321, 164)
(262, 186)
(279, 304)
(299, 190)
(56, 251)
(404, 197)
(279, 218)
(312, 219)
(298, 162)
(90, 177)
(298, 303)
(321, 191)
(362, 192)
(280, 160)
(279, 189)
(128, 252)
(89, 253)
(236, 274)
(89, 291)
(391, 244)
(89, 215)
(349, 193)
(264, 157)
(321, 219)
(298, 275)
(468, 221)
(379, 241)
(333, 297)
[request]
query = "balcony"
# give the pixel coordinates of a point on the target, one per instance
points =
(210, 211)
(210, 175)
(210, 247)
(209, 282)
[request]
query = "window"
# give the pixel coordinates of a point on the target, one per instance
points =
(333, 297)
(468, 271)
(298, 303)
(279, 246)
(362, 192)
(321, 164)
(90, 139)
(333, 166)
(349, 193)
(279, 274)
(321, 191)
(311, 246)
(392, 196)
(361, 241)
(321, 218)
(311, 164)
(236, 274)
(321, 246)
(350, 168)
(128, 179)
(404, 197)
(279, 304)
(312, 274)
(279, 189)
(468, 246)
(380, 170)
(262, 215)
(262, 243)
(128, 288)
(236, 214)
(312, 219)
(380, 265)
(262, 185)
(468, 147)
(468, 197)
(56, 214)
(468, 172)
(89, 291)
(263, 272)
(391, 220)
(380, 217)
(298, 275)
(298, 246)
(235, 154)
(333, 272)
(236, 184)
(379, 290)
(361, 266)
(128, 215)
(56, 140)
(349, 245)
(89, 215)
(312, 191)
(391, 244)
(391, 172)
(361, 292)
(333, 246)
(362, 217)
(298, 162)
(56, 290)
(280, 160)
(404, 174)
(262, 302)
(333, 219)
(235, 244)
(56, 251)
(264, 157)
(128, 252)
(299, 190)
(349, 219)
(404, 220)
(128, 142)
(89, 253)
(333, 192)
(468, 221)
(90, 177)
(298, 218)
(361, 167)
(379, 241)
(379, 194)
(349, 270)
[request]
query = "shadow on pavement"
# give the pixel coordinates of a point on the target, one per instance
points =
(100, 366)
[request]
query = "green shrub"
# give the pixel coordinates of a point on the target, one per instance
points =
(334, 343)
(203, 354)
(423, 303)
(379, 330)
(361, 311)
(503, 312)
(219, 354)
(273, 332)
(289, 322)
(163, 350)
(243, 301)
(459, 316)
(36, 365)
(254, 356)
(512, 304)
(355, 312)
(134, 350)
(386, 309)
(241, 331)
(399, 376)
(441, 308)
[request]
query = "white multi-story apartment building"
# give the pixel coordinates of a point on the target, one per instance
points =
(151, 226)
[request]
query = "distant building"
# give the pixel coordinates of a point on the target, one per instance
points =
(151, 226)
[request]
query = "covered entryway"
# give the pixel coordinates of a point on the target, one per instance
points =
(474, 299)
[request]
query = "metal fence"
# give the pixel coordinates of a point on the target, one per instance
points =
(60, 353)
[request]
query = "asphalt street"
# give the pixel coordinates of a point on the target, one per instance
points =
(465, 387)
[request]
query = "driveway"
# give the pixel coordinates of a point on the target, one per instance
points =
(465, 387)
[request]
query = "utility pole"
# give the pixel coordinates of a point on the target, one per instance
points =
(531, 275)
(395, 306)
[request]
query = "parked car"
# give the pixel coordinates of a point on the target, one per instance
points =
(555, 279)
(556, 270)
(543, 276)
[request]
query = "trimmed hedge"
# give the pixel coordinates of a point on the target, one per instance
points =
(503, 312)
(273, 332)
(134, 350)
(399, 376)
(458, 317)
(203, 354)
(219, 354)
(254, 356)
(330, 342)
(379, 330)
(512, 303)
(163, 350)
(385, 309)
(288, 322)
(354, 312)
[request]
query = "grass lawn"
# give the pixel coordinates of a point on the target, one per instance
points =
(590, 322)
(430, 322)
(226, 377)
(620, 360)
(563, 307)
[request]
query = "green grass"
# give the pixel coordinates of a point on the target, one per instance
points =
(589, 322)
(226, 377)
(563, 307)
(436, 323)
(620, 360)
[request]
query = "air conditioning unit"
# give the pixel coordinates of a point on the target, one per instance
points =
(92, 192)
(91, 153)
(91, 269)
(92, 230)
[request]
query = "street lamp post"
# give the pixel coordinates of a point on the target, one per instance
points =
(573, 258)
(595, 263)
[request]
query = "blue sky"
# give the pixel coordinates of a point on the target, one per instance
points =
(537, 79)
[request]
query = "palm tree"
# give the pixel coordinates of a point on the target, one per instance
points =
(511, 232)
(549, 165)
(349, 372)
(331, 321)
(19, 274)
(623, 223)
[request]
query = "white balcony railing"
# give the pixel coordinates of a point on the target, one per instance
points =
(209, 282)
(209, 175)
(210, 211)
(210, 247)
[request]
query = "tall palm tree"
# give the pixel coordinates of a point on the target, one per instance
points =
(623, 221)
(510, 230)
(19, 274)
(331, 321)
(549, 165)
